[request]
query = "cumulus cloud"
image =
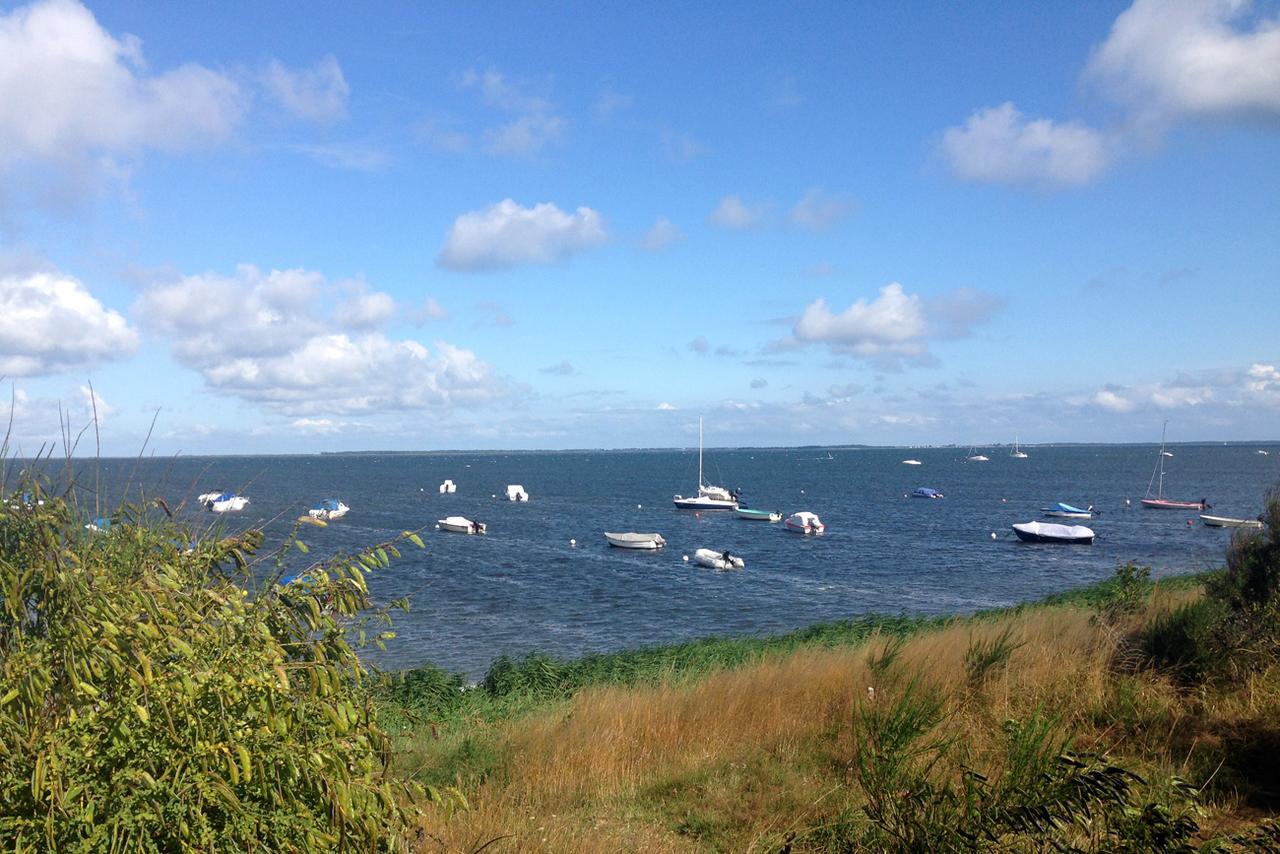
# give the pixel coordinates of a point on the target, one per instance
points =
(263, 338)
(1210, 59)
(431, 310)
(665, 407)
(70, 90)
(699, 345)
(1256, 388)
(818, 210)
(508, 235)
(894, 325)
(999, 145)
(1113, 402)
(662, 234)
(49, 323)
(365, 310)
(315, 94)
(733, 213)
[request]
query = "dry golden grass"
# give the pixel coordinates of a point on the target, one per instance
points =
(738, 759)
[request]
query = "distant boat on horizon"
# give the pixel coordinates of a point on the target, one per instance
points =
(976, 457)
(1017, 453)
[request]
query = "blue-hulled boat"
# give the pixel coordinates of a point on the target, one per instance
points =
(926, 492)
(1066, 511)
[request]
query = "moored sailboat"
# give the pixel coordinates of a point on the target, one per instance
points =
(1158, 501)
(709, 497)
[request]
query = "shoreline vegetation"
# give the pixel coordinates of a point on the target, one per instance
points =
(163, 692)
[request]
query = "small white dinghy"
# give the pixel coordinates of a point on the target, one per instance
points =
(1227, 522)
(460, 525)
(911, 462)
(223, 502)
(328, 510)
(632, 540)
(515, 492)
(1067, 511)
(447, 487)
(718, 560)
(1048, 532)
(804, 522)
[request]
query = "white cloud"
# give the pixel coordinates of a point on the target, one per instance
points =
(564, 369)
(1206, 59)
(507, 235)
(665, 407)
(316, 94)
(891, 324)
(733, 213)
(345, 155)
(262, 337)
(69, 90)
(660, 235)
(499, 92)
(318, 426)
(1263, 379)
(894, 325)
(50, 322)
(1112, 402)
(678, 146)
(818, 210)
(999, 145)
(365, 310)
(94, 406)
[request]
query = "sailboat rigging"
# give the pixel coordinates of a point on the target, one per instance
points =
(1159, 502)
(709, 497)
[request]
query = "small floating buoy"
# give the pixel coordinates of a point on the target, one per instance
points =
(1126, 502)
(573, 543)
(493, 495)
(1189, 523)
(1004, 501)
(993, 535)
(437, 527)
(639, 506)
(420, 489)
(802, 492)
(685, 558)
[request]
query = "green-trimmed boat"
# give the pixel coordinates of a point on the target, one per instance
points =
(759, 515)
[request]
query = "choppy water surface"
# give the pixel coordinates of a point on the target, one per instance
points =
(523, 587)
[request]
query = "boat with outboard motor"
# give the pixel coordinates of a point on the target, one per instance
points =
(460, 525)
(926, 492)
(223, 502)
(1048, 532)
(804, 522)
(718, 560)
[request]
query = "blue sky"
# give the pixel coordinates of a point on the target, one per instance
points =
(492, 226)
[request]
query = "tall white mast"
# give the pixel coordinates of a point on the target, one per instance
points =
(699, 454)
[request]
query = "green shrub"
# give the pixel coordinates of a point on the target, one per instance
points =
(1183, 640)
(151, 698)
(1248, 635)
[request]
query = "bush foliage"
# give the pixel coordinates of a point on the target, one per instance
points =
(152, 697)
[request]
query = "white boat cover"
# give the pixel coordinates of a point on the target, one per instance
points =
(515, 492)
(805, 522)
(632, 540)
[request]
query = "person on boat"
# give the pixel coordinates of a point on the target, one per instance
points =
(726, 557)
(475, 527)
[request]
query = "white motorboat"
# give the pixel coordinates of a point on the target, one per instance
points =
(804, 522)
(1264, 453)
(328, 510)
(447, 487)
(1017, 453)
(1048, 532)
(1228, 522)
(515, 492)
(633, 540)
(1066, 511)
(911, 462)
(709, 497)
(223, 502)
(460, 525)
(718, 560)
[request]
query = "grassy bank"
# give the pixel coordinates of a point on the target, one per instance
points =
(867, 734)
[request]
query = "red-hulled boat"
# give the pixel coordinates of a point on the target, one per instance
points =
(1158, 501)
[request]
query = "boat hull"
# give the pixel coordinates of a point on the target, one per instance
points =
(644, 542)
(702, 502)
(1039, 532)
(759, 515)
(460, 525)
(1166, 504)
(1227, 522)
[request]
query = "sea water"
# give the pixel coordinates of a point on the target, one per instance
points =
(544, 579)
